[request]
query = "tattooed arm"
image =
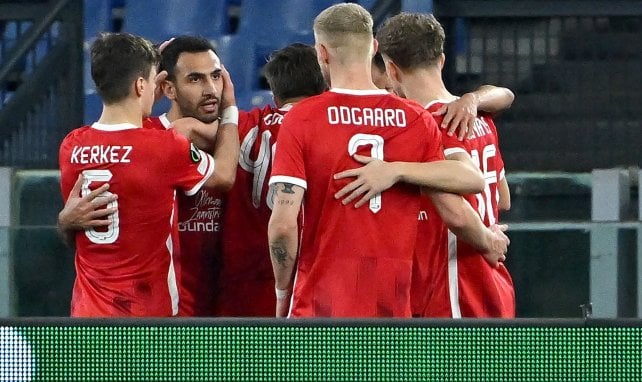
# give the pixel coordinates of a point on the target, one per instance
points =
(283, 234)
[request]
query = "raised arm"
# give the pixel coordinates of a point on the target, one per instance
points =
(504, 195)
(283, 233)
(377, 176)
(459, 115)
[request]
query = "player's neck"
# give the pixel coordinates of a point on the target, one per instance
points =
(352, 76)
(425, 86)
(290, 101)
(173, 114)
(122, 112)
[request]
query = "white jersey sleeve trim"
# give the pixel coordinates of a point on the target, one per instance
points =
(502, 174)
(454, 150)
(165, 121)
(289, 179)
(208, 163)
(453, 276)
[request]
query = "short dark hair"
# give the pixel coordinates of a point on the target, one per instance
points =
(294, 72)
(182, 44)
(117, 59)
(377, 59)
(412, 40)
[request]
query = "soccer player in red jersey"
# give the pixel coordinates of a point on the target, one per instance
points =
(451, 277)
(199, 87)
(127, 268)
(246, 283)
(349, 262)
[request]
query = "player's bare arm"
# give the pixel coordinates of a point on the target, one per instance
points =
(464, 222)
(459, 115)
(464, 158)
(227, 147)
(377, 176)
(283, 240)
(504, 195)
(84, 212)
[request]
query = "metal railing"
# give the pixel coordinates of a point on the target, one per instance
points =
(40, 80)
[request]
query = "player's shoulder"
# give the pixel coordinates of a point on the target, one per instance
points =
(154, 123)
(254, 115)
(413, 105)
(77, 132)
(487, 117)
(435, 105)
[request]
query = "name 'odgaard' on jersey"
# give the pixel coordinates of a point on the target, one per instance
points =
(365, 116)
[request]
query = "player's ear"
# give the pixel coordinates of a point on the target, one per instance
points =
(169, 89)
(392, 70)
(442, 61)
(375, 46)
(322, 53)
(139, 86)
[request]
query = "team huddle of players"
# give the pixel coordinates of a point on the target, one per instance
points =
(356, 212)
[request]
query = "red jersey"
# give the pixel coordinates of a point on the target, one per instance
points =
(127, 269)
(353, 262)
(199, 234)
(246, 268)
(463, 284)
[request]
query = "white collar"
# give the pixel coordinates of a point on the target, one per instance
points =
(286, 107)
(114, 127)
(438, 101)
(360, 91)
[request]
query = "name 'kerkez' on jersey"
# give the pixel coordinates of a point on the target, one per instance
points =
(100, 154)
(365, 116)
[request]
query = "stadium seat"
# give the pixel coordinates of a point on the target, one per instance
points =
(159, 20)
(93, 108)
(96, 18)
(367, 4)
(161, 106)
(88, 83)
(236, 54)
(424, 6)
(282, 22)
(261, 98)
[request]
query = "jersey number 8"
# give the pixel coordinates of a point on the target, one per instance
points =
(111, 234)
